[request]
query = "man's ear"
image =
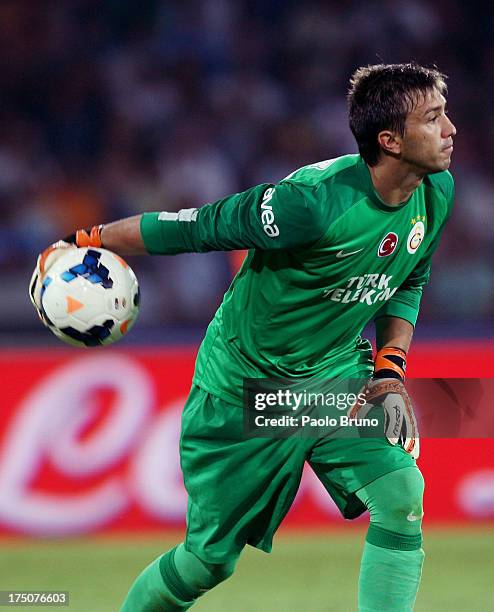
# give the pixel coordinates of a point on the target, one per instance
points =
(390, 142)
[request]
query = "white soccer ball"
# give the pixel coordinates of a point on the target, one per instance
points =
(89, 297)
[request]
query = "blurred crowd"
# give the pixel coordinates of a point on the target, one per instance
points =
(114, 107)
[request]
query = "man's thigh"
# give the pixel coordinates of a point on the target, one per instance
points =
(239, 488)
(346, 465)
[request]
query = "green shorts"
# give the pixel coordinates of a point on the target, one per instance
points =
(240, 489)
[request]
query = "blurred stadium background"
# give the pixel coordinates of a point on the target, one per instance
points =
(110, 108)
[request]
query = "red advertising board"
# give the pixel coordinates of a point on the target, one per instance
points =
(89, 443)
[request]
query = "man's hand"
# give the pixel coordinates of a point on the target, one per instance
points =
(386, 389)
(400, 425)
(81, 238)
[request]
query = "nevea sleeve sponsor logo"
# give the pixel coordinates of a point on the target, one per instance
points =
(267, 215)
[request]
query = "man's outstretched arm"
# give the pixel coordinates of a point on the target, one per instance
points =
(263, 217)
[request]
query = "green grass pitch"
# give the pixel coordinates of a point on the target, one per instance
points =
(309, 572)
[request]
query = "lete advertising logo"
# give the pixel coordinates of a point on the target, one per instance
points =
(70, 465)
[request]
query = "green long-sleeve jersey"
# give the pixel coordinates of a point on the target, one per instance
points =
(326, 256)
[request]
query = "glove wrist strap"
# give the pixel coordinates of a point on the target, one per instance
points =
(390, 362)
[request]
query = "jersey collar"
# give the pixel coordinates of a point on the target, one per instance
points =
(372, 194)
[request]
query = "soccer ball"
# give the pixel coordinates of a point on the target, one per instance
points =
(89, 297)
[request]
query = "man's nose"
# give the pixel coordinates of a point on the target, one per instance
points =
(450, 129)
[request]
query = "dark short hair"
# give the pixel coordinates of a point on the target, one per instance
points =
(381, 97)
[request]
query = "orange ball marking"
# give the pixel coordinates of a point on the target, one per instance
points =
(73, 304)
(121, 260)
(125, 326)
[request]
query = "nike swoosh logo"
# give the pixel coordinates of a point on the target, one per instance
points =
(341, 254)
(414, 517)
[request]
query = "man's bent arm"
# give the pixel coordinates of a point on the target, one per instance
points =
(393, 332)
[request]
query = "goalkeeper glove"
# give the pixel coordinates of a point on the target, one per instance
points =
(386, 389)
(86, 237)
(81, 238)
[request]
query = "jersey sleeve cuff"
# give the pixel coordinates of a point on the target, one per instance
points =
(159, 237)
(400, 310)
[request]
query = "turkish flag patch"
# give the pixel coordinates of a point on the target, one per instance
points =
(388, 245)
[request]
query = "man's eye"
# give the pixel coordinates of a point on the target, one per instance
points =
(433, 119)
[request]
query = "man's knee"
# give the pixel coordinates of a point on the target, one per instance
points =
(395, 499)
(395, 505)
(405, 495)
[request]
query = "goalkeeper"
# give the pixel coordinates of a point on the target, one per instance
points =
(331, 247)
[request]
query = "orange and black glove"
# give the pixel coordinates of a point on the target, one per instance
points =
(86, 237)
(386, 389)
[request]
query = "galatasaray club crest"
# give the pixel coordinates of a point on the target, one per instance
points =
(388, 244)
(416, 234)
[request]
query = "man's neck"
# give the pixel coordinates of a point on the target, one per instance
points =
(394, 181)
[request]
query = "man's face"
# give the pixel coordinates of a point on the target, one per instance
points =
(428, 140)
